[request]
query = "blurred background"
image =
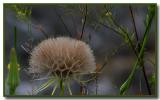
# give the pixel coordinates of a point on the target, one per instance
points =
(71, 20)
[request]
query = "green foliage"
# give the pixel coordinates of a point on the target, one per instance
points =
(125, 86)
(13, 78)
(108, 21)
(151, 11)
(22, 12)
(61, 83)
(152, 79)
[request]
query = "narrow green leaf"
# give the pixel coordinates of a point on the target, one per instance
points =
(13, 78)
(125, 86)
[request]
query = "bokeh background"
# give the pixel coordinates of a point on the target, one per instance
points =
(55, 20)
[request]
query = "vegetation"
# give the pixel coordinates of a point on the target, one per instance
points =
(105, 20)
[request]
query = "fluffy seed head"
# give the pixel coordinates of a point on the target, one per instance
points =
(63, 56)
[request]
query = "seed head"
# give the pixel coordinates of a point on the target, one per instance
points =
(62, 56)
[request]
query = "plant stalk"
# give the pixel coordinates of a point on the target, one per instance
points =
(137, 39)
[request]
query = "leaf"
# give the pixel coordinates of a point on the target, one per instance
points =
(22, 12)
(125, 86)
(13, 78)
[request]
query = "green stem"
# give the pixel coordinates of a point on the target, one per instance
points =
(127, 83)
(12, 91)
(61, 87)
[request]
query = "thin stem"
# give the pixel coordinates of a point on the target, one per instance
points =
(81, 88)
(83, 26)
(85, 19)
(108, 27)
(129, 40)
(146, 80)
(65, 26)
(133, 22)
(41, 29)
(44, 86)
(69, 88)
(135, 29)
(127, 83)
(96, 83)
(85, 81)
(54, 89)
(142, 64)
(132, 46)
(61, 87)
(15, 37)
(43, 32)
(140, 83)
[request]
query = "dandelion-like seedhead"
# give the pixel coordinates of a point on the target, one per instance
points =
(62, 56)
